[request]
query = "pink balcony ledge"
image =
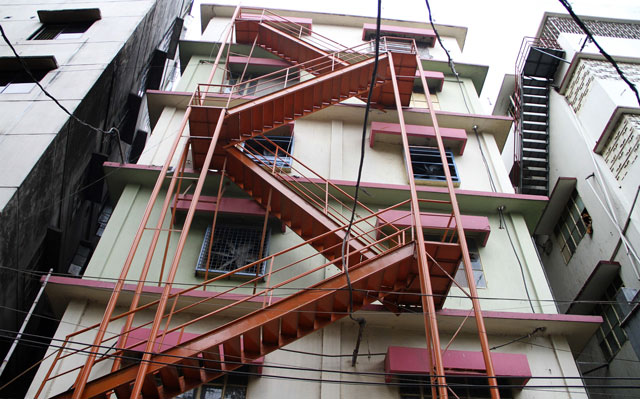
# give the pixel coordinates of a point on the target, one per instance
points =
(454, 139)
(404, 360)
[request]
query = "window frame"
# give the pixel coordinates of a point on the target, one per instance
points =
(233, 380)
(571, 226)
(263, 145)
(12, 73)
(610, 334)
(232, 228)
(479, 275)
(423, 155)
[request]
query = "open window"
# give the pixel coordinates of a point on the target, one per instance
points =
(427, 165)
(572, 226)
(611, 336)
(268, 150)
(233, 246)
(65, 24)
(476, 267)
(15, 80)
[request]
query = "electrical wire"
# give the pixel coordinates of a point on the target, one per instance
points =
(399, 377)
(345, 266)
(524, 280)
(46, 93)
(613, 62)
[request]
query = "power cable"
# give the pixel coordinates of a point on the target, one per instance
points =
(400, 378)
(360, 320)
(613, 62)
(46, 93)
(513, 247)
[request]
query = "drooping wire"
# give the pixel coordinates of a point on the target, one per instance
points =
(24, 65)
(360, 320)
(613, 62)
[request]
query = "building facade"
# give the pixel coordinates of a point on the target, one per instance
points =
(228, 238)
(95, 59)
(588, 235)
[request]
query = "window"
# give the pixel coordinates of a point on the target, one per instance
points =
(610, 334)
(573, 224)
(465, 388)
(67, 31)
(264, 149)
(427, 165)
(233, 246)
(476, 266)
(19, 82)
(229, 386)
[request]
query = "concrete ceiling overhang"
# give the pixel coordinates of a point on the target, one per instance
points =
(557, 200)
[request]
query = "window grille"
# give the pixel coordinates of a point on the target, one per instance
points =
(233, 246)
(73, 30)
(463, 387)
(427, 165)
(229, 386)
(573, 224)
(263, 150)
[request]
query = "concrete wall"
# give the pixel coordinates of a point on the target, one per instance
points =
(46, 154)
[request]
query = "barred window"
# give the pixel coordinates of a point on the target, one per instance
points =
(611, 336)
(233, 246)
(573, 224)
(427, 164)
(463, 387)
(266, 150)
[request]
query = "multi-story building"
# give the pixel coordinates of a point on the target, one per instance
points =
(577, 137)
(96, 59)
(229, 242)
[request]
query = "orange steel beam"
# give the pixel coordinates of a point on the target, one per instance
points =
(142, 371)
(431, 324)
(482, 332)
(215, 220)
(83, 375)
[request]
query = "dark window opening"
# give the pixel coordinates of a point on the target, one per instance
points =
(233, 246)
(19, 82)
(72, 30)
(267, 150)
(427, 164)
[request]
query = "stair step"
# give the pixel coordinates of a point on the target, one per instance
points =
(534, 171)
(534, 99)
(534, 125)
(534, 190)
(535, 162)
(533, 107)
(534, 134)
(538, 144)
(535, 90)
(535, 153)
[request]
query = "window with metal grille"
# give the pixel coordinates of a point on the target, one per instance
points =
(463, 387)
(427, 164)
(72, 30)
(611, 336)
(476, 266)
(573, 224)
(266, 150)
(229, 386)
(233, 246)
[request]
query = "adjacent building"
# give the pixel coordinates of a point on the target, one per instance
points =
(229, 242)
(578, 137)
(96, 59)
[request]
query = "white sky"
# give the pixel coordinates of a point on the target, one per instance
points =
(496, 27)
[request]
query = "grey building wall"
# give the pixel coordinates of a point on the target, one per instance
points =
(54, 208)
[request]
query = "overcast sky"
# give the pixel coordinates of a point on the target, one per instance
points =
(496, 27)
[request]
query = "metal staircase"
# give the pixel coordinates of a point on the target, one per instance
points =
(395, 266)
(535, 68)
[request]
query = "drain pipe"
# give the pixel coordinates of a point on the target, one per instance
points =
(24, 324)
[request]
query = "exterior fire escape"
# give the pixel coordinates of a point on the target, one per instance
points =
(386, 263)
(535, 68)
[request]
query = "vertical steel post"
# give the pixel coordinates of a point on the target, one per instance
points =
(482, 332)
(428, 305)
